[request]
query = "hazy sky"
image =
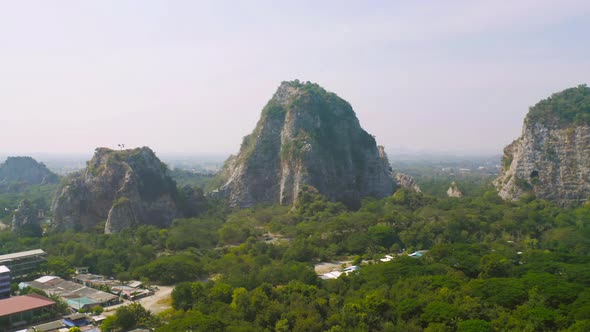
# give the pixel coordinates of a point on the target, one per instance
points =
(193, 76)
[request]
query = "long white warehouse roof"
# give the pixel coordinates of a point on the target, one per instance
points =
(21, 254)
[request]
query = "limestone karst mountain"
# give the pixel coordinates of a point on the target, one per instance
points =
(16, 173)
(306, 136)
(123, 188)
(552, 157)
(454, 190)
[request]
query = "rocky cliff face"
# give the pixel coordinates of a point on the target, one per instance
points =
(17, 172)
(454, 191)
(552, 157)
(306, 136)
(408, 182)
(123, 188)
(26, 220)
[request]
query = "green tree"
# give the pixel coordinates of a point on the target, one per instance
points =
(182, 296)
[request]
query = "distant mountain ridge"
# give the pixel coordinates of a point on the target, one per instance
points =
(19, 172)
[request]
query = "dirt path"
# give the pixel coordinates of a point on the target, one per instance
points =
(156, 303)
(159, 301)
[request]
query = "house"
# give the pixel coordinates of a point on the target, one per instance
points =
(48, 327)
(135, 284)
(350, 269)
(331, 275)
(22, 310)
(386, 259)
(82, 303)
(71, 292)
(90, 328)
(76, 319)
(418, 254)
(131, 293)
(98, 319)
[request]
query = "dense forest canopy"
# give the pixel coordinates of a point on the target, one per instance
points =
(491, 265)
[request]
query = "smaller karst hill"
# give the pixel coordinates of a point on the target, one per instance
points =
(122, 187)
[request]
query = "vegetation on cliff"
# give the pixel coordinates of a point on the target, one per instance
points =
(571, 106)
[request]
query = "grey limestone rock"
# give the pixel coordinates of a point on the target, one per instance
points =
(124, 188)
(26, 220)
(408, 182)
(306, 136)
(454, 191)
(552, 157)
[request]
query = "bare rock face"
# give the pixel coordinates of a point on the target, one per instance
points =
(552, 157)
(306, 136)
(124, 188)
(454, 191)
(25, 220)
(408, 182)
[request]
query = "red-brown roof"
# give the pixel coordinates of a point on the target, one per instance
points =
(22, 303)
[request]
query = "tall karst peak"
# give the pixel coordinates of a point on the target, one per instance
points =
(122, 187)
(552, 157)
(306, 136)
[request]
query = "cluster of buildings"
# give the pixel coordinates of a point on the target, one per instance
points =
(388, 258)
(78, 297)
(130, 291)
(337, 274)
(21, 310)
(83, 322)
(21, 313)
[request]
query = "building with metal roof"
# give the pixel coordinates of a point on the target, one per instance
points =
(82, 303)
(47, 327)
(69, 290)
(22, 310)
(23, 263)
